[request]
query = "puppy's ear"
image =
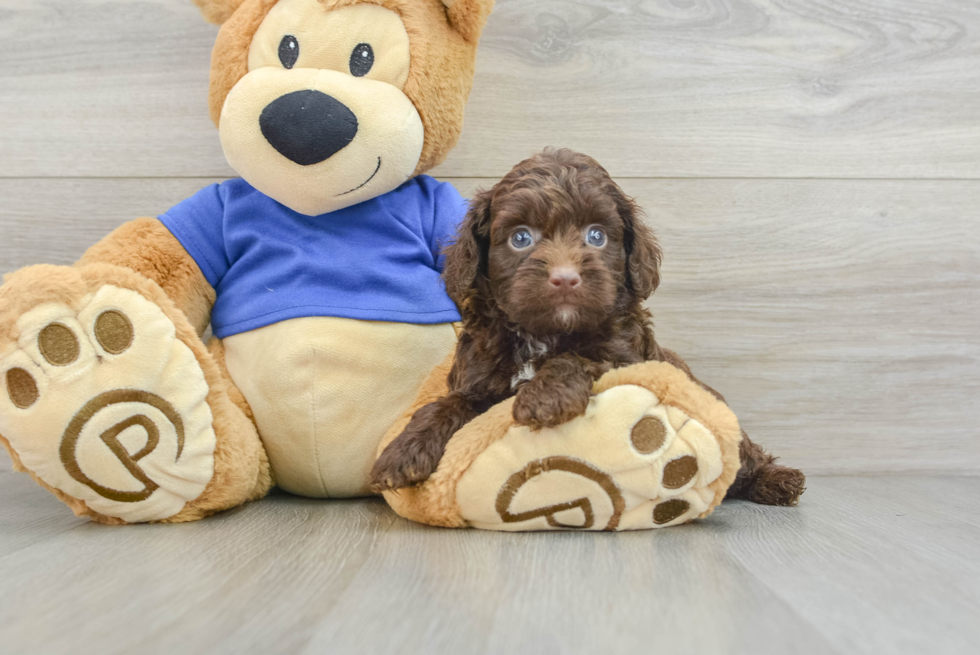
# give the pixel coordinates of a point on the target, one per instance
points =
(218, 11)
(468, 16)
(643, 254)
(466, 258)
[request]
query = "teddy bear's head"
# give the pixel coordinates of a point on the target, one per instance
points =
(322, 104)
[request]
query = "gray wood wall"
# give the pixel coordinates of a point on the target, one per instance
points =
(812, 168)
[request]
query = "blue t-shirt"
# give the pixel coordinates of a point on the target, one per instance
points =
(378, 260)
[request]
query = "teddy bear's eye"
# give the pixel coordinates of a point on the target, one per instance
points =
(361, 60)
(288, 51)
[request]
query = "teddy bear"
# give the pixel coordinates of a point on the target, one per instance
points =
(318, 271)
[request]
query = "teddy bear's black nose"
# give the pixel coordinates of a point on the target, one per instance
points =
(308, 127)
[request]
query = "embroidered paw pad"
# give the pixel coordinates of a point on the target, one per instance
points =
(631, 462)
(108, 406)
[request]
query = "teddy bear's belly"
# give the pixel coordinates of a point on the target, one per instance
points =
(324, 391)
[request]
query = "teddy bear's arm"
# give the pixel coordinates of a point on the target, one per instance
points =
(147, 247)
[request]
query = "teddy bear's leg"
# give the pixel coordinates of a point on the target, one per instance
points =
(760, 479)
(653, 449)
(110, 400)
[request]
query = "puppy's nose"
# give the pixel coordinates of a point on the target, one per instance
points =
(564, 278)
(308, 127)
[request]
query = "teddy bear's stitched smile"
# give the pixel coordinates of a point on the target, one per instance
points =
(365, 182)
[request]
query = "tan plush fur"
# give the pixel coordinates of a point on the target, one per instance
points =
(25, 289)
(241, 468)
(229, 59)
(441, 74)
(434, 502)
(22, 291)
(468, 17)
(169, 277)
(675, 388)
(147, 247)
(217, 350)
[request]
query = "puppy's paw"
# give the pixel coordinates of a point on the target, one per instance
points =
(777, 485)
(408, 461)
(539, 408)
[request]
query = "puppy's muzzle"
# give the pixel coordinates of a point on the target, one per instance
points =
(308, 127)
(564, 278)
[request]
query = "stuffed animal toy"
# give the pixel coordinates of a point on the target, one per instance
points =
(318, 271)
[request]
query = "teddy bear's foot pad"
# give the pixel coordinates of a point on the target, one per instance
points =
(632, 462)
(107, 405)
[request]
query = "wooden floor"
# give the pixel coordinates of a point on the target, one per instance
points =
(864, 565)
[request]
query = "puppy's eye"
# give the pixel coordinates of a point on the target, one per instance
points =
(595, 237)
(361, 60)
(521, 239)
(288, 51)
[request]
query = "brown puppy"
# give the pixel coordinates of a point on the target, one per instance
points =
(550, 270)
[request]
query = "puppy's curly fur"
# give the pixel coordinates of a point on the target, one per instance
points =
(550, 270)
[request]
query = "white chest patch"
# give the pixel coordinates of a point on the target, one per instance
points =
(526, 373)
(524, 354)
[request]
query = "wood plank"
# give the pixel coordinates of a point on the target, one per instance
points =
(438, 591)
(880, 564)
(28, 514)
(755, 88)
(864, 565)
(54, 221)
(258, 575)
(94, 89)
(838, 317)
(870, 565)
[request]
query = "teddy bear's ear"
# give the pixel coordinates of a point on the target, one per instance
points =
(218, 11)
(468, 16)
